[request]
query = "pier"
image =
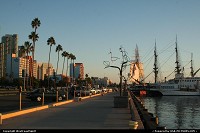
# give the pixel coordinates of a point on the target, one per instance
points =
(92, 112)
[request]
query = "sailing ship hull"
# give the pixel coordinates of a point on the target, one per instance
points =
(171, 90)
(179, 93)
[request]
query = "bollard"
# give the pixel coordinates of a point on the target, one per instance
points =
(133, 124)
(0, 118)
(42, 98)
(157, 120)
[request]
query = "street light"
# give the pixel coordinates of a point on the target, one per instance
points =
(20, 98)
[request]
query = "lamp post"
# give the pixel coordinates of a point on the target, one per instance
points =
(20, 98)
(66, 91)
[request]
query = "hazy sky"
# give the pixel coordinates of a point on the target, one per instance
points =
(91, 28)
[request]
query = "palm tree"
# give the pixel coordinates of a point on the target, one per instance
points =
(72, 57)
(64, 54)
(34, 37)
(27, 49)
(50, 42)
(23, 53)
(31, 67)
(35, 24)
(58, 49)
(68, 57)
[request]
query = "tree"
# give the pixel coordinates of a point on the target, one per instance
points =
(72, 57)
(58, 49)
(125, 60)
(34, 37)
(27, 49)
(50, 42)
(68, 57)
(64, 54)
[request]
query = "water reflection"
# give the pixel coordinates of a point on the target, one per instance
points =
(175, 112)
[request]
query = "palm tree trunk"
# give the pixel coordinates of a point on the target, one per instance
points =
(30, 75)
(33, 55)
(63, 65)
(26, 71)
(11, 72)
(31, 72)
(48, 66)
(67, 68)
(73, 73)
(57, 64)
(71, 78)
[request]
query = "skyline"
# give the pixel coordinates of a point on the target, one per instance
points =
(89, 29)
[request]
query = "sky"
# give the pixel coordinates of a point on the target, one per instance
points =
(90, 29)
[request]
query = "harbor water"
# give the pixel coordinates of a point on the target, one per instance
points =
(175, 112)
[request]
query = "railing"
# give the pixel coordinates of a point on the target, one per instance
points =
(148, 120)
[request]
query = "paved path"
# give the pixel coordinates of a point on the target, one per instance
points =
(92, 113)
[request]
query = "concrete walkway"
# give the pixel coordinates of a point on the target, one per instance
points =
(91, 113)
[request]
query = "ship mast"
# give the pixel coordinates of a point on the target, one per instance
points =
(155, 64)
(137, 57)
(192, 70)
(177, 70)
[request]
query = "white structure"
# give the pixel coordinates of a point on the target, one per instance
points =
(136, 69)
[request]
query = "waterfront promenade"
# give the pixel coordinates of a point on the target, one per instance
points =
(96, 112)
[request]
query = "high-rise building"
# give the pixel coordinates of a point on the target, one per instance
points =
(1, 59)
(78, 70)
(19, 66)
(42, 70)
(21, 53)
(8, 48)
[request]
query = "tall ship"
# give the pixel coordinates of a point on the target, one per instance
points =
(136, 69)
(179, 85)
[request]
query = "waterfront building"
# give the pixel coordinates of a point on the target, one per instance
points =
(8, 48)
(19, 66)
(42, 70)
(2, 60)
(78, 70)
(21, 53)
(59, 77)
(101, 82)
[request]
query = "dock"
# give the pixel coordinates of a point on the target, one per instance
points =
(93, 112)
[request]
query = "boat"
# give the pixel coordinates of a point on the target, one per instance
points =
(180, 85)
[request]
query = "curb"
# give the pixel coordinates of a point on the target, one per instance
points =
(9, 115)
(25, 111)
